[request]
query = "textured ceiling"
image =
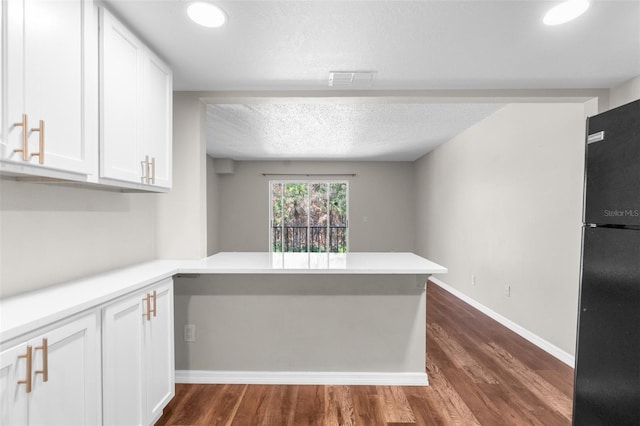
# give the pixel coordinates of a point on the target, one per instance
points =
(397, 132)
(288, 45)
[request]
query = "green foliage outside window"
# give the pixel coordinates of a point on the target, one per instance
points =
(309, 217)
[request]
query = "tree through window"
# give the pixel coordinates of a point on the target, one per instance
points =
(309, 217)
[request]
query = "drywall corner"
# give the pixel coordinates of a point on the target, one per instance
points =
(212, 207)
(624, 93)
(181, 231)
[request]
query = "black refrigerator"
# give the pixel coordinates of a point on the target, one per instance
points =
(607, 372)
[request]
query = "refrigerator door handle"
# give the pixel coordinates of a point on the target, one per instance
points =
(595, 137)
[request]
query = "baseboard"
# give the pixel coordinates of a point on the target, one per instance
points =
(523, 332)
(301, 378)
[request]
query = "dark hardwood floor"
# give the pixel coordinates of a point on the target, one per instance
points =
(480, 374)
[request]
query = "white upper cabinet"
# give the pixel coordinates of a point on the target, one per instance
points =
(157, 132)
(136, 92)
(50, 92)
(121, 82)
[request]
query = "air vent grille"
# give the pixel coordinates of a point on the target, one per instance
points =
(351, 78)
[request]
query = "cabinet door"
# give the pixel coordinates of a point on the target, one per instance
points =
(160, 351)
(13, 80)
(123, 367)
(71, 394)
(49, 69)
(121, 82)
(157, 130)
(13, 395)
(54, 81)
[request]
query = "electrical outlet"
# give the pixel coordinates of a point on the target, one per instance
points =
(507, 290)
(190, 333)
(473, 280)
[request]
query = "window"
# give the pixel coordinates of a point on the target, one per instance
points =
(309, 217)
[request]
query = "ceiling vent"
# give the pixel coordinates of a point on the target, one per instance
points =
(351, 78)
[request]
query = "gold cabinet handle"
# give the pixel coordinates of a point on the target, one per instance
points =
(153, 170)
(29, 357)
(148, 176)
(40, 153)
(145, 170)
(155, 304)
(147, 312)
(45, 360)
(23, 124)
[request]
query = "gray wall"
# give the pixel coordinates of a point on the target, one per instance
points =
(51, 233)
(381, 202)
(181, 231)
(625, 92)
(331, 323)
(54, 233)
(212, 208)
(234, 315)
(503, 201)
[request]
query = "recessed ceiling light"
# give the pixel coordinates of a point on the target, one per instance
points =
(206, 14)
(565, 12)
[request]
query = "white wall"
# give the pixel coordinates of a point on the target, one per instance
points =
(503, 201)
(625, 92)
(381, 191)
(52, 233)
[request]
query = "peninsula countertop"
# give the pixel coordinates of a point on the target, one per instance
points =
(28, 311)
(312, 263)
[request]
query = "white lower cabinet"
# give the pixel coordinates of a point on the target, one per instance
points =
(52, 377)
(137, 356)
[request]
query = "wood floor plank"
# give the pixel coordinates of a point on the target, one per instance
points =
(281, 406)
(252, 407)
(462, 359)
(542, 389)
(451, 404)
(173, 413)
(480, 373)
(309, 406)
(367, 406)
(561, 379)
(395, 407)
(222, 409)
(420, 399)
(476, 397)
(509, 407)
(339, 406)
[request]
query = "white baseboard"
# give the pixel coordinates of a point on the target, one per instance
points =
(546, 346)
(301, 378)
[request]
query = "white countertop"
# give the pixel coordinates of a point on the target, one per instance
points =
(312, 263)
(29, 311)
(26, 312)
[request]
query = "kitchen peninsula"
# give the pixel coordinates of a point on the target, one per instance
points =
(353, 318)
(356, 318)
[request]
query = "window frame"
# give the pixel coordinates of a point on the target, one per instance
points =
(308, 182)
